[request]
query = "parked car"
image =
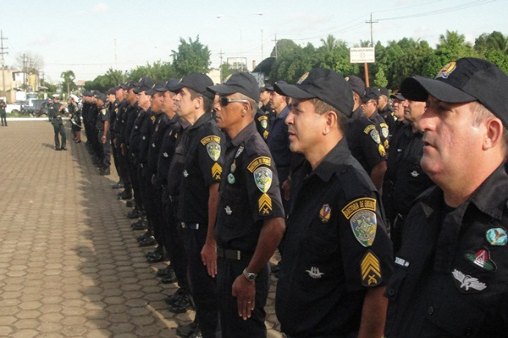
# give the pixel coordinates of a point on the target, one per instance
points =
(37, 109)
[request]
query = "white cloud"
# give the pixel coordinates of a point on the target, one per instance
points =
(100, 8)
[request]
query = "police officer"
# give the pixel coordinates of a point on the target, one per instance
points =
(55, 111)
(75, 113)
(363, 137)
(451, 275)
(199, 194)
(370, 108)
(250, 220)
(385, 109)
(104, 136)
(263, 113)
(337, 254)
(3, 113)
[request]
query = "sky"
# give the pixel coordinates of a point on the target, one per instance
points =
(91, 36)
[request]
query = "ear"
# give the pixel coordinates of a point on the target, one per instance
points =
(494, 133)
(330, 122)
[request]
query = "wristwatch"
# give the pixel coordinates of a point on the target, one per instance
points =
(251, 276)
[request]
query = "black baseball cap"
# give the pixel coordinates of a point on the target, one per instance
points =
(87, 93)
(462, 81)
(371, 93)
(158, 87)
(144, 85)
(197, 82)
(241, 82)
(356, 84)
(111, 91)
(100, 96)
(384, 91)
(172, 85)
(398, 96)
(129, 85)
(323, 84)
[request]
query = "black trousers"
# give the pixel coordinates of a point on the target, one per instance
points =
(173, 241)
(59, 130)
(203, 287)
(232, 324)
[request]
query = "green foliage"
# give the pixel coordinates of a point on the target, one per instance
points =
(102, 83)
(68, 84)
(191, 56)
(380, 78)
(158, 71)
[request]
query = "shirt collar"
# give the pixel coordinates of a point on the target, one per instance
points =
(244, 134)
(330, 163)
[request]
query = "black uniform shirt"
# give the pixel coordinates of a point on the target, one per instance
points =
(382, 128)
(364, 141)
(262, 119)
(203, 165)
(121, 120)
(161, 123)
(278, 143)
(387, 114)
(249, 192)
(167, 149)
(335, 248)
(131, 114)
(451, 273)
(146, 129)
(135, 135)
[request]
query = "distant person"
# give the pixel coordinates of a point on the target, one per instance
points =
(55, 111)
(75, 112)
(3, 113)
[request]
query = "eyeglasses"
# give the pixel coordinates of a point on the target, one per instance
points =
(224, 101)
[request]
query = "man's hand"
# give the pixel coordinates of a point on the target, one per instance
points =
(209, 257)
(245, 293)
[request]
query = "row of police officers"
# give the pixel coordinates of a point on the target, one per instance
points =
(220, 188)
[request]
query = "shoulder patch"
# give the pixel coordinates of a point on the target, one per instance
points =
(259, 161)
(210, 138)
(373, 133)
(362, 217)
(370, 270)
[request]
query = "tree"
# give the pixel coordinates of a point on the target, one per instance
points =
(68, 81)
(380, 78)
(158, 71)
(191, 56)
(106, 81)
(334, 55)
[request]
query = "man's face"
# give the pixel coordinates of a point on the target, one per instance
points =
(184, 104)
(111, 98)
(131, 96)
(305, 126)
(382, 101)
(156, 104)
(168, 102)
(120, 94)
(229, 115)
(264, 96)
(369, 107)
(144, 100)
(278, 101)
(413, 110)
(398, 109)
(451, 140)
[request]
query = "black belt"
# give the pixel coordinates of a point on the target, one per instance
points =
(235, 255)
(192, 226)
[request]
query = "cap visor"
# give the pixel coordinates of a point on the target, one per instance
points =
(222, 89)
(292, 91)
(418, 88)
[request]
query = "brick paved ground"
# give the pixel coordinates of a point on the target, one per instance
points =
(69, 264)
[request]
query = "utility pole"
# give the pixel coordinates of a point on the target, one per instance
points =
(2, 53)
(220, 65)
(276, 52)
(371, 30)
(365, 65)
